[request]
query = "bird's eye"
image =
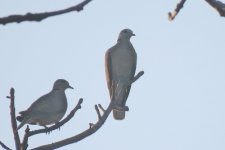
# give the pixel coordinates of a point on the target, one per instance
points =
(125, 31)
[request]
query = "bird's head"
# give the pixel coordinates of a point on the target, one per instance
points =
(61, 84)
(126, 34)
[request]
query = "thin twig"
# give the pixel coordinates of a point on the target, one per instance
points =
(102, 109)
(24, 145)
(136, 77)
(219, 6)
(172, 15)
(13, 118)
(41, 16)
(59, 124)
(4, 146)
(98, 112)
(91, 125)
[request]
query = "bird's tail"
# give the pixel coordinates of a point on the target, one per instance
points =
(21, 124)
(22, 119)
(120, 99)
(118, 115)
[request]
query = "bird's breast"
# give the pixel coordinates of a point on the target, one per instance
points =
(123, 63)
(59, 102)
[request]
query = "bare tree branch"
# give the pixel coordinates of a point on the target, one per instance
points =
(24, 145)
(98, 112)
(102, 109)
(92, 127)
(41, 16)
(59, 124)
(4, 146)
(219, 6)
(136, 77)
(13, 118)
(172, 15)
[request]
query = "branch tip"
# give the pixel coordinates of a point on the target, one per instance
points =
(172, 15)
(98, 112)
(136, 77)
(102, 109)
(24, 144)
(80, 101)
(13, 119)
(91, 125)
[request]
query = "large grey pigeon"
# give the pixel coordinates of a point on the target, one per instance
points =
(120, 67)
(49, 108)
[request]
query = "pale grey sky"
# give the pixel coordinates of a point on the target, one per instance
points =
(179, 104)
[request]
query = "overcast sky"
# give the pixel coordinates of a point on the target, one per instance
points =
(179, 103)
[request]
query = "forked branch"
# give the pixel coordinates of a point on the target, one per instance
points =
(92, 127)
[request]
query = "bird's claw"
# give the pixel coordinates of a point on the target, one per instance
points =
(48, 131)
(124, 108)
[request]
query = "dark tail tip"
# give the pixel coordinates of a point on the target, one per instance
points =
(118, 115)
(19, 118)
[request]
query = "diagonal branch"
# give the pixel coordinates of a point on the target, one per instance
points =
(172, 15)
(41, 16)
(92, 127)
(59, 124)
(80, 136)
(13, 118)
(4, 146)
(219, 6)
(98, 112)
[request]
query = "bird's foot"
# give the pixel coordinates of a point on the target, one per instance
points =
(48, 131)
(123, 108)
(57, 124)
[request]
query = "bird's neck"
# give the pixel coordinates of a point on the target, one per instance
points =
(123, 40)
(57, 90)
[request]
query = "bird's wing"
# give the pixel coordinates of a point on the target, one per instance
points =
(108, 70)
(40, 103)
(33, 107)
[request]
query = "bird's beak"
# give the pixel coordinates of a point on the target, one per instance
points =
(133, 34)
(70, 87)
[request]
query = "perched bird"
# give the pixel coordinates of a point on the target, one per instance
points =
(120, 67)
(49, 108)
